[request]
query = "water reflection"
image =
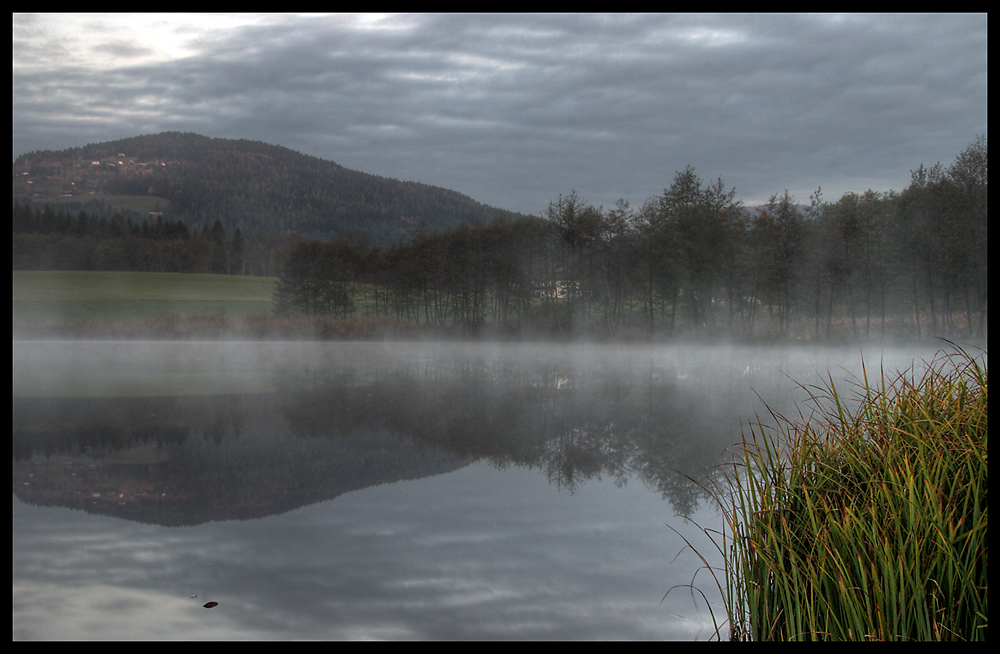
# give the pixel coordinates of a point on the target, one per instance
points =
(342, 418)
(501, 492)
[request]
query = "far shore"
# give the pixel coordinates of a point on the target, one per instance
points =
(260, 327)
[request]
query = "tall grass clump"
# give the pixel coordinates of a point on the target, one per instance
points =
(866, 523)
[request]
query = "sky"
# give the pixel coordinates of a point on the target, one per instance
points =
(514, 110)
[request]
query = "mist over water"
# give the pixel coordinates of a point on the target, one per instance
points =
(379, 490)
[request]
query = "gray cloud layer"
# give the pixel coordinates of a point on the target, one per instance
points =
(516, 109)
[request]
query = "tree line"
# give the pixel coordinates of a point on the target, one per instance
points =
(690, 261)
(46, 239)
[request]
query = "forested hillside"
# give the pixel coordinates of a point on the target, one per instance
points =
(259, 188)
(693, 260)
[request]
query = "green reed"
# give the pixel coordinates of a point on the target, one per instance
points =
(866, 523)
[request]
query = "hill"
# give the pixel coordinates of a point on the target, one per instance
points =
(257, 187)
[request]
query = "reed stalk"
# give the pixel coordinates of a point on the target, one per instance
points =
(864, 524)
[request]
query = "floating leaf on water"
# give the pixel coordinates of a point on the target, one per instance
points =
(211, 604)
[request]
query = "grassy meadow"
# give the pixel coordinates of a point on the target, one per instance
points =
(57, 299)
(77, 304)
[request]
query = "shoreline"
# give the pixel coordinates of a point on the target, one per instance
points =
(173, 326)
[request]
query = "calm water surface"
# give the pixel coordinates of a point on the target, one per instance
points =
(379, 491)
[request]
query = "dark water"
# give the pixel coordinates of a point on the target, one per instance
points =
(379, 491)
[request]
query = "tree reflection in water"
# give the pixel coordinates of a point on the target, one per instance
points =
(343, 417)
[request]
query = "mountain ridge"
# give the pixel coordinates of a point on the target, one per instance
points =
(256, 186)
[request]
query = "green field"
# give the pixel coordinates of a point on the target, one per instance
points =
(46, 298)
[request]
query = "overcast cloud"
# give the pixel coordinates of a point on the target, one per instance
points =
(513, 110)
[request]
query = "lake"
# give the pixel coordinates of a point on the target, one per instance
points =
(381, 490)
